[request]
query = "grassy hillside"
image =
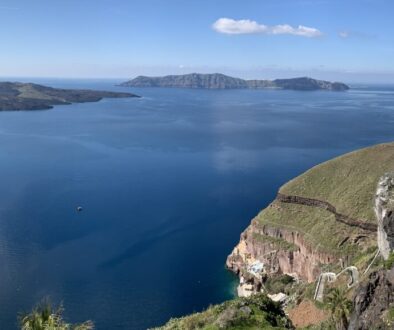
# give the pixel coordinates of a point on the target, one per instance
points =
(349, 183)
(256, 312)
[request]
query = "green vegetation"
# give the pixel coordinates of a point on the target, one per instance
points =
(389, 263)
(280, 283)
(255, 312)
(45, 317)
(277, 242)
(348, 182)
(390, 317)
(325, 325)
(340, 307)
(313, 224)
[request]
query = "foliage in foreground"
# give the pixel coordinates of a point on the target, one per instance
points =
(340, 307)
(389, 263)
(45, 317)
(255, 312)
(281, 283)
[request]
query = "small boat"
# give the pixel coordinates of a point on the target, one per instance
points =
(79, 208)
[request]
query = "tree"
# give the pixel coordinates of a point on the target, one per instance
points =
(45, 317)
(340, 307)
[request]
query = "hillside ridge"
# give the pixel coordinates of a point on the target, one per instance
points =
(16, 96)
(221, 81)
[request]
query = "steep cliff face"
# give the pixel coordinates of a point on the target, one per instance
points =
(323, 218)
(372, 302)
(282, 251)
(384, 209)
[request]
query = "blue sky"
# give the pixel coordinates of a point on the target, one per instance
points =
(352, 40)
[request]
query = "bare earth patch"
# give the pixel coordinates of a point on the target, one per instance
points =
(306, 314)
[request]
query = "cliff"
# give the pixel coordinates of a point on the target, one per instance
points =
(221, 81)
(373, 302)
(323, 218)
(331, 219)
(27, 96)
(384, 210)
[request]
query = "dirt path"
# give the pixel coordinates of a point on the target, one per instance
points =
(330, 208)
(306, 314)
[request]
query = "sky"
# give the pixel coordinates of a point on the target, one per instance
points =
(348, 40)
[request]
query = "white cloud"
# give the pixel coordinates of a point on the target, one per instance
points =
(243, 26)
(246, 26)
(344, 34)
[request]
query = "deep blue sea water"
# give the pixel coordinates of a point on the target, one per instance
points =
(167, 183)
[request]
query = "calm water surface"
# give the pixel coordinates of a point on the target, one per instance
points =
(167, 183)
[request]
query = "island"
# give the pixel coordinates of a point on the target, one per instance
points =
(27, 96)
(221, 81)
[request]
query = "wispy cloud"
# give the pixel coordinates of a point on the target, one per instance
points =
(345, 34)
(246, 26)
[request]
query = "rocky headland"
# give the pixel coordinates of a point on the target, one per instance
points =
(27, 96)
(329, 230)
(323, 216)
(221, 81)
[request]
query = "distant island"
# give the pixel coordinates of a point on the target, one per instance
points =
(27, 96)
(221, 81)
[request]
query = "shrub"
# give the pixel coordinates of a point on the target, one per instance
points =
(389, 263)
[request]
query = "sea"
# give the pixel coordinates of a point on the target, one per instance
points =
(167, 183)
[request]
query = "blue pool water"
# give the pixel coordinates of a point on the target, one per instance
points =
(167, 183)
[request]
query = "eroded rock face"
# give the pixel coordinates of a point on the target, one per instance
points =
(281, 251)
(384, 210)
(372, 300)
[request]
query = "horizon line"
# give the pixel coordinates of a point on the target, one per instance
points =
(123, 78)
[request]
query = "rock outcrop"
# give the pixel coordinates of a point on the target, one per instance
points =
(281, 251)
(384, 210)
(322, 222)
(372, 302)
(221, 81)
(322, 219)
(26, 96)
